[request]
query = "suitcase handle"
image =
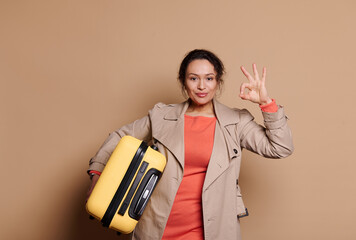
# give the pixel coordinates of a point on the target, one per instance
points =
(143, 193)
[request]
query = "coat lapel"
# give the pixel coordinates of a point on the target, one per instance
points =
(168, 129)
(219, 161)
(228, 119)
(225, 147)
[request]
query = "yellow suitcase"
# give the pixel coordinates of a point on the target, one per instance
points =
(126, 184)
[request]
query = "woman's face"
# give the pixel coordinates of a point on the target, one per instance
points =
(200, 82)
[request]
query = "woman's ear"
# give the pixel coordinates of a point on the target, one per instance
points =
(220, 89)
(184, 91)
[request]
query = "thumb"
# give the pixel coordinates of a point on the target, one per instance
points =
(244, 96)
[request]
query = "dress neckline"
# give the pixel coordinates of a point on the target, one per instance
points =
(204, 117)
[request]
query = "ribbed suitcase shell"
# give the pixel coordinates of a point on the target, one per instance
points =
(112, 176)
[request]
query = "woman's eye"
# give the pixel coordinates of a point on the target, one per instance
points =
(210, 78)
(193, 78)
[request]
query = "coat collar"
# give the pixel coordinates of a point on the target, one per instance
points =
(225, 115)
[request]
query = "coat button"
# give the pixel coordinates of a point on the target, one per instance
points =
(235, 151)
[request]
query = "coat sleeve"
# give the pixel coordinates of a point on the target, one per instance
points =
(140, 129)
(272, 141)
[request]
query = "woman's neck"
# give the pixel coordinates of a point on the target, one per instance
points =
(206, 110)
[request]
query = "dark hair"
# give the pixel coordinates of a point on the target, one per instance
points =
(201, 54)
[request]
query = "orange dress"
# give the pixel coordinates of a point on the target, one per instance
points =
(186, 218)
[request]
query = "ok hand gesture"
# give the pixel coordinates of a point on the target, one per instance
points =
(256, 88)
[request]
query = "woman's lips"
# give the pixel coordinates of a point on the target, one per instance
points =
(201, 95)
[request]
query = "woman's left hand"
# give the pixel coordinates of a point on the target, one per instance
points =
(257, 91)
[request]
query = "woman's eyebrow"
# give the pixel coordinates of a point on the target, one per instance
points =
(203, 74)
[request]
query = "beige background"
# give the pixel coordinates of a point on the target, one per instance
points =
(73, 71)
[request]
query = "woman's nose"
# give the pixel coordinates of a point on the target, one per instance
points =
(201, 85)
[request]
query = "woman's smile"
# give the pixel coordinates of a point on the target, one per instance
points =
(201, 95)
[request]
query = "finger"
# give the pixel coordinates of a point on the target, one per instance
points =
(245, 96)
(243, 87)
(249, 77)
(254, 67)
(264, 72)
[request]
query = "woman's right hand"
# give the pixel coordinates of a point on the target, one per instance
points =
(94, 179)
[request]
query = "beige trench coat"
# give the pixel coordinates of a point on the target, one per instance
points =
(221, 197)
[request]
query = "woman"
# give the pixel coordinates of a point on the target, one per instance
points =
(198, 196)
